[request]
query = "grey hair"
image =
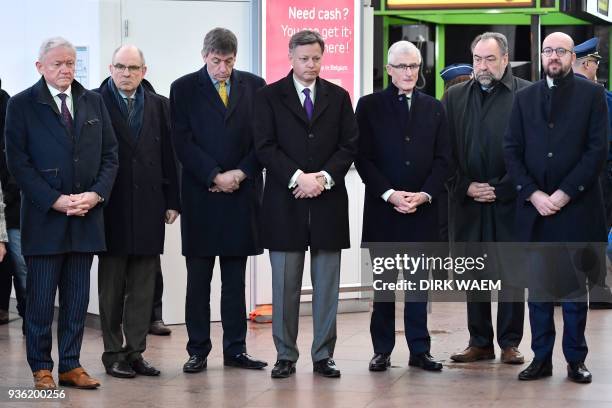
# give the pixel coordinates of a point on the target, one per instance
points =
(403, 47)
(142, 58)
(306, 37)
(220, 40)
(502, 41)
(54, 42)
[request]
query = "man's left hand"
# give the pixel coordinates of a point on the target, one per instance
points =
(2, 251)
(559, 198)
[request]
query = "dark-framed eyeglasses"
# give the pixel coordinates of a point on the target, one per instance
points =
(130, 68)
(548, 52)
(405, 68)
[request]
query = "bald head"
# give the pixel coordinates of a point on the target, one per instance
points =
(127, 69)
(557, 55)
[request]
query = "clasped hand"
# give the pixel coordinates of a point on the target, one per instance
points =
(227, 182)
(309, 185)
(76, 204)
(406, 202)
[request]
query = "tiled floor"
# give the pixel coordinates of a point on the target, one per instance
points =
(483, 384)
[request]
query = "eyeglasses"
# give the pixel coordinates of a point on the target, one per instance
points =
(131, 68)
(405, 68)
(548, 51)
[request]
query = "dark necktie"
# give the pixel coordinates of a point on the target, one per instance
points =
(66, 116)
(308, 106)
(130, 105)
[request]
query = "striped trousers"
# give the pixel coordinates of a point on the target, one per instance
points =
(46, 274)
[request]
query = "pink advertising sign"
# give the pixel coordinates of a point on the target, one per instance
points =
(338, 23)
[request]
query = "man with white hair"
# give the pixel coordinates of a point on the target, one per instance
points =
(403, 162)
(62, 151)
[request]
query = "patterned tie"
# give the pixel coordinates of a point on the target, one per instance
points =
(66, 116)
(223, 93)
(130, 105)
(308, 106)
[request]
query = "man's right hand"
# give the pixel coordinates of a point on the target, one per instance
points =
(225, 182)
(542, 202)
(401, 203)
(63, 204)
(308, 185)
(481, 192)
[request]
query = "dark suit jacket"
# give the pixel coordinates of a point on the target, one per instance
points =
(210, 138)
(558, 139)
(287, 141)
(401, 150)
(48, 160)
(146, 184)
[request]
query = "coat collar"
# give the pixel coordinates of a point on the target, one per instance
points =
(292, 100)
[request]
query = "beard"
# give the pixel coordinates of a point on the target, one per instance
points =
(486, 79)
(556, 72)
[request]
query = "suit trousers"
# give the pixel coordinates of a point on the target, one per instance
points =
(233, 304)
(287, 270)
(510, 321)
(541, 318)
(125, 291)
(156, 313)
(46, 274)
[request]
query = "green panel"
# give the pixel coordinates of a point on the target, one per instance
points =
(485, 19)
(385, 50)
(609, 62)
(440, 58)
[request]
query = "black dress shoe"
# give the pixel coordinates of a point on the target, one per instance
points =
(577, 372)
(424, 361)
(243, 360)
(536, 370)
(326, 368)
(121, 369)
(600, 305)
(195, 364)
(142, 367)
(380, 362)
(283, 369)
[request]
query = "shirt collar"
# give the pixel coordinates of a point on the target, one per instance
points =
(299, 87)
(55, 92)
(549, 81)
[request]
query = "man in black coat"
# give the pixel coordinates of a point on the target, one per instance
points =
(403, 162)
(306, 138)
(145, 195)
(482, 196)
(212, 111)
(555, 148)
(62, 151)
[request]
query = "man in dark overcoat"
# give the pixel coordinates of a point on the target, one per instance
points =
(482, 196)
(403, 162)
(144, 197)
(212, 112)
(306, 138)
(555, 148)
(62, 151)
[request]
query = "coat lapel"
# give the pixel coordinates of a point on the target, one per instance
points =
(147, 119)
(291, 98)
(321, 99)
(236, 93)
(210, 92)
(47, 109)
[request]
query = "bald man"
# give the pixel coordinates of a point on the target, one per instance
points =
(555, 147)
(145, 195)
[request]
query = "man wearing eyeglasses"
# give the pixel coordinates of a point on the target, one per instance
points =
(482, 197)
(403, 162)
(555, 148)
(145, 195)
(587, 62)
(212, 113)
